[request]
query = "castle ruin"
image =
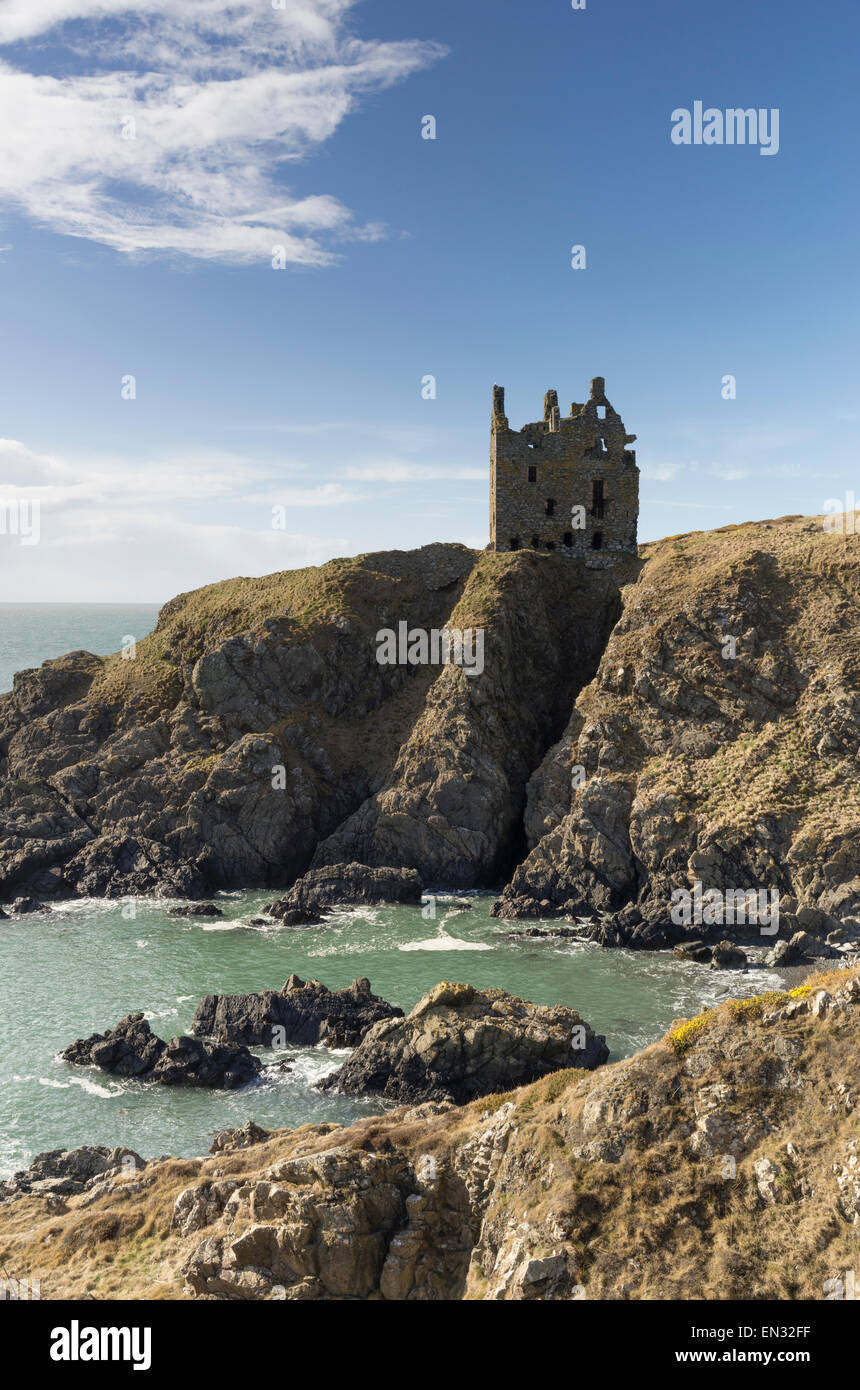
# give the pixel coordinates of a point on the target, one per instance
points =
(564, 483)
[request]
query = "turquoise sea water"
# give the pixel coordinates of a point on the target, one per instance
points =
(80, 968)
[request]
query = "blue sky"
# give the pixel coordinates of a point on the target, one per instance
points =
(300, 388)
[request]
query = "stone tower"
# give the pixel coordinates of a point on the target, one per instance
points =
(566, 483)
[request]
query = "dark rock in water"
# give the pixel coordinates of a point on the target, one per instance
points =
(196, 1062)
(67, 1172)
(459, 1043)
(512, 907)
(725, 953)
(117, 866)
(306, 1014)
(129, 1049)
(197, 910)
(292, 916)
(132, 1049)
(339, 885)
(541, 933)
(21, 907)
(698, 951)
(721, 955)
(4, 916)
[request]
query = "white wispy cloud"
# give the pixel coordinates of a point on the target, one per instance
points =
(147, 524)
(324, 495)
(398, 471)
(173, 136)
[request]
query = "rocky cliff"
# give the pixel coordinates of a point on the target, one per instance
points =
(718, 742)
(254, 730)
(691, 717)
(721, 1162)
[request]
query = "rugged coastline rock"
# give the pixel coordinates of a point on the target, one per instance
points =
(726, 705)
(69, 1172)
(689, 718)
(303, 1014)
(602, 1185)
(459, 1043)
(118, 866)
(344, 885)
(132, 1049)
(256, 731)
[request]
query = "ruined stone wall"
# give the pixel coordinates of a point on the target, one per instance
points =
(540, 473)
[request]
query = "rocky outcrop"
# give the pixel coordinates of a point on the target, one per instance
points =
(132, 1049)
(303, 1014)
(118, 866)
(725, 705)
(719, 1163)
(452, 805)
(693, 718)
(459, 1043)
(344, 885)
(255, 729)
(69, 1172)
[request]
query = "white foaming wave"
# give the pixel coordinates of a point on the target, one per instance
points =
(309, 1065)
(92, 1088)
(445, 943)
(142, 945)
(220, 926)
(342, 916)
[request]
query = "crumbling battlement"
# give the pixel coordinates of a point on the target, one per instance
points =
(565, 483)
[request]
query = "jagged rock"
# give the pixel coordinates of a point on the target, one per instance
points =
(725, 953)
(132, 1049)
(199, 1206)
(783, 953)
(117, 866)
(198, 910)
(846, 934)
(585, 865)
(196, 1062)
(305, 1013)
(66, 1172)
(340, 885)
(698, 951)
(459, 1043)
(805, 944)
(290, 916)
(229, 1140)
(317, 1227)
(22, 907)
(814, 921)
